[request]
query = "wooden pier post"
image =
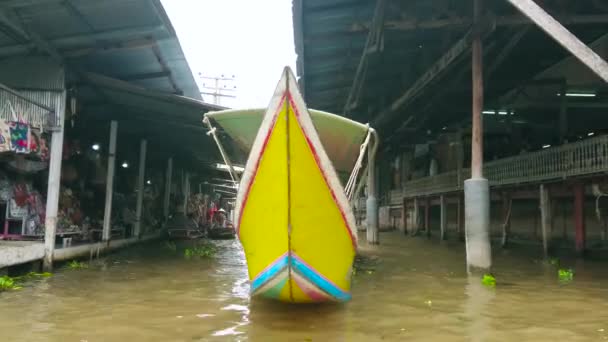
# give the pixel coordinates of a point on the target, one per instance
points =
(427, 217)
(107, 216)
(545, 217)
(168, 177)
(579, 218)
(460, 217)
(140, 188)
(507, 207)
(476, 189)
(444, 217)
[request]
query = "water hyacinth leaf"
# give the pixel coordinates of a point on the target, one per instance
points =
(488, 280)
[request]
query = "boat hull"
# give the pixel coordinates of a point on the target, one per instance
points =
(294, 221)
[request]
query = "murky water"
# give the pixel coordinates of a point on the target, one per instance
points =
(416, 290)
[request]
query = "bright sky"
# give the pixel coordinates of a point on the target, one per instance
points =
(252, 40)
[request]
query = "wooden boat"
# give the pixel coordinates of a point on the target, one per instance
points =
(292, 215)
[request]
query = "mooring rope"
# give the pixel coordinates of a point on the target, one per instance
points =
(212, 132)
(352, 180)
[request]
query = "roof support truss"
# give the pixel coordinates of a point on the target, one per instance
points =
(564, 37)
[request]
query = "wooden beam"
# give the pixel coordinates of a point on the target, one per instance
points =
(437, 69)
(512, 20)
(374, 43)
(564, 37)
(146, 76)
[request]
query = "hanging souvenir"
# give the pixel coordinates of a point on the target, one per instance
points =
(35, 141)
(44, 147)
(20, 194)
(5, 136)
(20, 137)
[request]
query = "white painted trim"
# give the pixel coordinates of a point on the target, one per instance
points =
(258, 144)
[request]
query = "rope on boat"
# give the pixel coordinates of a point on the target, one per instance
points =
(213, 132)
(351, 185)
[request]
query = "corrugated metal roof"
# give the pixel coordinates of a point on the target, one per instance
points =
(330, 36)
(107, 37)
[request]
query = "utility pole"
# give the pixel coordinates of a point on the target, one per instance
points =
(219, 85)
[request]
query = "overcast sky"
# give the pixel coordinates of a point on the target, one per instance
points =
(252, 40)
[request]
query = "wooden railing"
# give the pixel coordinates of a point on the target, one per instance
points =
(577, 159)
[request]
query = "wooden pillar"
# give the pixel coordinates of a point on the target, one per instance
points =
(427, 217)
(579, 218)
(477, 127)
(107, 216)
(507, 207)
(140, 188)
(460, 218)
(52, 198)
(186, 191)
(444, 217)
(545, 217)
(168, 176)
(415, 219)
(404, 215)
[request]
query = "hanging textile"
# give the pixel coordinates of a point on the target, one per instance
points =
(20, 137)
(20, 194)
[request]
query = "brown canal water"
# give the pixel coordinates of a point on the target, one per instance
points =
(413, 289)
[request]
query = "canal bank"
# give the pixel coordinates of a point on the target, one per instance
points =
(409, 289)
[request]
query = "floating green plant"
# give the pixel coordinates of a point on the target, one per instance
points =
(488, 280)
(77, 265)
(8, 283)
(202, 251)
(565, 275)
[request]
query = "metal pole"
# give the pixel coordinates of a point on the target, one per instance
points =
(52, 199)
(140, 188)
(107, 217)
(168, 176)
(564, 37)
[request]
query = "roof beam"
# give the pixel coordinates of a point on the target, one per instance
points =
(438, 68)
(564, 37)
(514, 20)
(374, 44)
(146, 76)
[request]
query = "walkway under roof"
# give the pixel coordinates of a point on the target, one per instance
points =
(405, 66)
(124, 62)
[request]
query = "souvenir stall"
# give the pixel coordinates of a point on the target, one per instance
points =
(24, 157)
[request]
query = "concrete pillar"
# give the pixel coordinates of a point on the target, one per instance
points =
(107, 216)
(444, 217)
(546, 217)
(140, 188)
(476, 189)
(168, 176)
(52, 198)
(579, 218)
(372, 202)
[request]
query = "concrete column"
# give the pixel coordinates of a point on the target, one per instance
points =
(476, 189)
(372, 202)
(107, 216)
(140, 187)
(579, 218)
(444, 217)
(52, 198)
(168, 176)
(546, 217)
